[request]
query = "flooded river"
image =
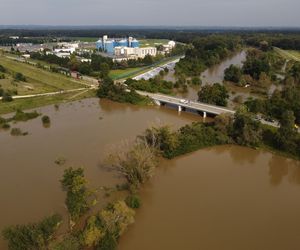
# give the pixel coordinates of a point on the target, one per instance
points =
(212, 75)
(226, 197)
(219, 198)
(80, 132)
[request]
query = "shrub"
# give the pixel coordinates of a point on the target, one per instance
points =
(19, 77)
(23, 116)
(2, 69)
(5, 126)
(133, 201)
(196, 80)
(17, 132)
(46, 119)
(6, 97)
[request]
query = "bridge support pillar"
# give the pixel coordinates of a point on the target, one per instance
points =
(204, 114)
(157, 102)
(179, 108)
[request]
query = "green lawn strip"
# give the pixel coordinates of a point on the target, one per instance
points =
(35, 102)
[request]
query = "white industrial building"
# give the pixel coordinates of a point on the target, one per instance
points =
(127, 53)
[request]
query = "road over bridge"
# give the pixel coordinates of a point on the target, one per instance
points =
(182, 104)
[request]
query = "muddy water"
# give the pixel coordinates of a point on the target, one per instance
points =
(221, 198)
(80, 132)
(212, 75)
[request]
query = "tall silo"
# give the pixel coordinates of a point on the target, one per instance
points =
(99, 45)
(123, 43)
(135, 43)
(109, 47)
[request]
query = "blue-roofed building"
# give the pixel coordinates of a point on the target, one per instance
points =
(109, 44)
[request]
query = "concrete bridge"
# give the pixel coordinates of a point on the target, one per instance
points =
(183, 104)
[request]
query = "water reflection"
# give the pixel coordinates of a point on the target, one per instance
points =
(281, 168)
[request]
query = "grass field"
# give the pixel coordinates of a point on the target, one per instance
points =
(153, 42)
(34, 102)
(37, 80)
(122, 73)
(289, 54)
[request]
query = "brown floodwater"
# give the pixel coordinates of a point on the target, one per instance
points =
(81, 132)
(219, 198)
(225, 197)
(214, 74)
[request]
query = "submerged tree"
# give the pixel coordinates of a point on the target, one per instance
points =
(136, 163)
(32, 236)
(77, 200)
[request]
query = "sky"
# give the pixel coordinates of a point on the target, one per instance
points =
(239, 13)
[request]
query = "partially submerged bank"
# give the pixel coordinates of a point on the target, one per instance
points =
(35, 102)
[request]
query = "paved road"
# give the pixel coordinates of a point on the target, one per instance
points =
(155, 71)
(47, 94)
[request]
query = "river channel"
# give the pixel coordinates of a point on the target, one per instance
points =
(82, 133)
(224, 197)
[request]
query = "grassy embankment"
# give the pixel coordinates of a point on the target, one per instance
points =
(34, 102)
(289, 54)
(37, 81)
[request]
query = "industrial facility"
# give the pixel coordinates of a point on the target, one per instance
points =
(109, 44)
(124, 49)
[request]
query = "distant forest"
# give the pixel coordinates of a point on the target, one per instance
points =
(283, 38)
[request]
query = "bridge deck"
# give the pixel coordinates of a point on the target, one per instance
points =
(198, 106)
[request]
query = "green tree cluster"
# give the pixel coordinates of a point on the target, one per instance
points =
(119, 93)
(153, 85)
(233, 74)
(213, 94)
(32, 236)
(104, 229)
(77, 200)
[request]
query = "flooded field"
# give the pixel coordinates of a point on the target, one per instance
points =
(82, 133)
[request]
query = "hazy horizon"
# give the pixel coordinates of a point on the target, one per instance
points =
(195, 13)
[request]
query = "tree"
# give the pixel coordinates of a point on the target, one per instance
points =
(104, 70)
(32, 236)
(223, 123)
(295, 71)
(19, 77)
(245, 130)
(256, 63)
(287, 133)
(233, 74)
(117, 218)
(2, 69)
(93, 232)
(214, 94)
(161, 138)
(74, 183)
(135, 163)
(196, 80)
(6, 97)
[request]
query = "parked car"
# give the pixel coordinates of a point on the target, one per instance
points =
(184, 101)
